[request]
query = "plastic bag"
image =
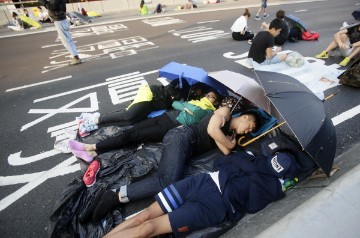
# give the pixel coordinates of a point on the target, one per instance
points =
(295, 59)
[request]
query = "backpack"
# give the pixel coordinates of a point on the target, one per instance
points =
(351, 76)
(310, 35)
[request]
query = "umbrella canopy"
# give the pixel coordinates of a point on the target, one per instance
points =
(191, 74)
(295, 21)
(243, 85)
(304, 114)
(356, 14)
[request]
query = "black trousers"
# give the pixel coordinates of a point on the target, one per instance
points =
(239, 37)
(136, 113)
(149, 130)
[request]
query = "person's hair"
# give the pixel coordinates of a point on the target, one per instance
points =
(14, 14)
(218, 96)
(247, 13)
(276, 24)
(142, 3)
(39, 7)
(280, 14)
(256, 117)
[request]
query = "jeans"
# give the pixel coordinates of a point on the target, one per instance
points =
(149, 130)
(63, 29)
(178, 146)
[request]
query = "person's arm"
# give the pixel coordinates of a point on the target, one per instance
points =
(337, 39)
(217, 121)
(179, 105)
(271, 53)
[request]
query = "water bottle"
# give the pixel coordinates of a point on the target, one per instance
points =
(289, 183)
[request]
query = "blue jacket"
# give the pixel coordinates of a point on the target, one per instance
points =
(247, 184)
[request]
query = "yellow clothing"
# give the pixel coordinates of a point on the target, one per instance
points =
(203, 103)
(144, 94)
(144, 10)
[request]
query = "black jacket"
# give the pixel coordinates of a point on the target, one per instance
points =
(56, 8)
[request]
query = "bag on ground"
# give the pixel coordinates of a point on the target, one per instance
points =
(351, 76)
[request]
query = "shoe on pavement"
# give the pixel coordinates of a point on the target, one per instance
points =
(89, 177)
(266, 16)
(75, 61)
(345, 62)
(322, 55)
(62, 145)
(257, 18)
(249, 42)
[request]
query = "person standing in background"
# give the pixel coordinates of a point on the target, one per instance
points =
(57, 12)
(263, 7)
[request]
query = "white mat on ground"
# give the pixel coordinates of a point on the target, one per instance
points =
(313, 74)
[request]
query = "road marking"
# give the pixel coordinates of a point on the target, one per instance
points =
(86, 88)
(200, 34)
(17, 160)
(154, 22)
(61, 169)
(302, 10)
(37, 84)
(202, 22)
(94, 106)
(346, 115)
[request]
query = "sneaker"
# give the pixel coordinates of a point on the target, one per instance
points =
(88, 125)
(62, 145)
(249, 42)
(257, 18)
(75, 61)
(70, 133)
(345, 62)
(82, 134)
(89, 177)
(322, 55)
(266, 16)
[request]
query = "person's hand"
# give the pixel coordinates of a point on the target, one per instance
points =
(342, 45)
(278, 49)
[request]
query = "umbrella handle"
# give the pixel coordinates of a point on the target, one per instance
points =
(256, 138)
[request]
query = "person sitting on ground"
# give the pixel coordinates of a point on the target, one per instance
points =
(284, 33)
(189, 5)
(217, 130)
(44, 16)
(159, 9)
(16, 23)
(152, 129)
(347, 41)
(143, 8)
(148, 99)
(240, 28)
(261, 48)
(242, 184)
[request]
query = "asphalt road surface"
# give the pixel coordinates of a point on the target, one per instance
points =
(41, 95)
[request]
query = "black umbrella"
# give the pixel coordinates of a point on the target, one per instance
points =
(304, 113)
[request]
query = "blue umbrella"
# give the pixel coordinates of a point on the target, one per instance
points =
(295, 21)
(192, 75)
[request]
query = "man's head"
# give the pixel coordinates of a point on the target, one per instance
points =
(213, 97)
(280, 14)
(275, 27)
(247, 122)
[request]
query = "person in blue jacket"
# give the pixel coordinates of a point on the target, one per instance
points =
(243, 184)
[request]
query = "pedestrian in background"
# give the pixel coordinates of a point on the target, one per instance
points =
(262, 8)
(57, 12)
(240, 28)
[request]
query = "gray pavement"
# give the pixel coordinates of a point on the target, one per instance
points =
(322, 207)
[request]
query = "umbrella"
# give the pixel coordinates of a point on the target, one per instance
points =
(243, 85)
(191, 74)
(295, 21)
(304, 113)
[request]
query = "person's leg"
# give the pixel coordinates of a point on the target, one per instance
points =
(332, 46)
(135, 113)
(347, 59)
(178, 144)
(63, 29)
(150, 222)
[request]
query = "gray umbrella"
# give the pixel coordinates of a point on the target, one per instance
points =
(244, 86)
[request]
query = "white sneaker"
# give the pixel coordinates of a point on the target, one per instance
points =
(62, 145)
